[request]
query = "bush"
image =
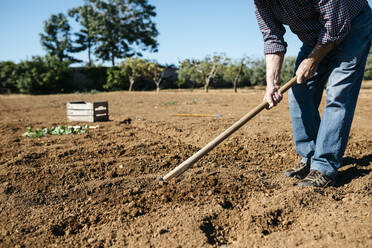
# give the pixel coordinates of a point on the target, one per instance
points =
(7, 77)
(116, 80)
(41, 75)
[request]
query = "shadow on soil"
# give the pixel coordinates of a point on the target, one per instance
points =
(346, 176)
(209, 231)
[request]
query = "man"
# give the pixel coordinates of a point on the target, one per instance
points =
(336, 36)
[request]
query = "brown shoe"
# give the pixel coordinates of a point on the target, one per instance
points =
(300, 171)
(317, 179)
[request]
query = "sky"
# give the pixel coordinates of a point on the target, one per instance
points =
(188, 29)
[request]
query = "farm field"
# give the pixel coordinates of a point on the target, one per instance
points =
(99, 189)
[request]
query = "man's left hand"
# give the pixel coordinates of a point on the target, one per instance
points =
(306, 70)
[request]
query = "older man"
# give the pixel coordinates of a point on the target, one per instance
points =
(336, 36)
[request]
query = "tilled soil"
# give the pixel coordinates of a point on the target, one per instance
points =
(99, 189)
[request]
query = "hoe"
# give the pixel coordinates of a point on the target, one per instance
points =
(180, 169)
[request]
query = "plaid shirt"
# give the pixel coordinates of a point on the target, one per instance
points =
(313, 21)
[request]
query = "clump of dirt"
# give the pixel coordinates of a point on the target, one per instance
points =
(100, 189)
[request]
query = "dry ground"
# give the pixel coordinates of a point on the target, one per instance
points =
(99, 189)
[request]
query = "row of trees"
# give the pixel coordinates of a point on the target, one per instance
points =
(50, 75)
(217, 70)
(109, 30)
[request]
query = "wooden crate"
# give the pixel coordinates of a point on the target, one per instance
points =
(87, 111)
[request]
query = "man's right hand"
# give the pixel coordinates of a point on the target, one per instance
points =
(272, 95)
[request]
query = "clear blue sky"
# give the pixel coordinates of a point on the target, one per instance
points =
(188, 28)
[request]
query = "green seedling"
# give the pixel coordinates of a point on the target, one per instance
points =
(59, 130)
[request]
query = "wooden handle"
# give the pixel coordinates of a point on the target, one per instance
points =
(194, 158)
(288, 85)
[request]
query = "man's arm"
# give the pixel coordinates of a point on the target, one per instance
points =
(273, 66)
(308, 66)
(306, 70)
(275, 47)
(336, 20)
(272, 30)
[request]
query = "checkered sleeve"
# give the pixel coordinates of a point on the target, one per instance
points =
(272, 30)
(335, 17)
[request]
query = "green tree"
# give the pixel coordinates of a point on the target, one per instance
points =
(258, 71)
(56, 39)
(135, 68)
(188, 76)
(209, 67)
(287, 70)
(125, 28)
(201, 71)
(128, 73)
(233, 72)
(86, 39)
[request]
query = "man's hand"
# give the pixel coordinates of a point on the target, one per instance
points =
(306, 70)
(272, 95)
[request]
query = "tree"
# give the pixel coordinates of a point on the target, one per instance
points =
(157, 73)
(200, 72)
(258, 71)
(287, 69)
(125, 28)
(87, 17)
(134, 68)
(56, 37)
(209, 67)
(188, 76)
(233, 72)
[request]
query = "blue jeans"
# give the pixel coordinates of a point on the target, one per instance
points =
(322, 141)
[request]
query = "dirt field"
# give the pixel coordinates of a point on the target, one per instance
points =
(99, 189)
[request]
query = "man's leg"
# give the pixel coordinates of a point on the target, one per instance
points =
(347, 65)
(304, 100)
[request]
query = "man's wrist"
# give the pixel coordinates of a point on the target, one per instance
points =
(320, 51)
(273, 84)
(313, 60)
